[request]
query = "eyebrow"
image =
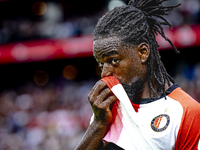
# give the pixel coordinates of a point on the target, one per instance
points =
(110, 53)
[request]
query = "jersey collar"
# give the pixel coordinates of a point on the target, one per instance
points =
(148, 100)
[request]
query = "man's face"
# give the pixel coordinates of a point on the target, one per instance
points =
(120, 61)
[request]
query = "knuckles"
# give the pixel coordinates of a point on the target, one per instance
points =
(99, 93)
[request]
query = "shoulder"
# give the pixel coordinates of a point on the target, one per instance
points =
(189, 130)
(186, 101)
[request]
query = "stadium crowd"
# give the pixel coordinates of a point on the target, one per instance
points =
(53, 24)
(53, 117)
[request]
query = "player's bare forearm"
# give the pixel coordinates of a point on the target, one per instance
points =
(92, 139)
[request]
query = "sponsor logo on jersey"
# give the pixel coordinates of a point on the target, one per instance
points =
(160, 123)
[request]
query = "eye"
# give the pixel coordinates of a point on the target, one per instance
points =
(101, 65)
(114, 61)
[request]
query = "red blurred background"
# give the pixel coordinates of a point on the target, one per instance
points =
(47, 67)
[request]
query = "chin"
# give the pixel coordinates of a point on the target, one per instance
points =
(134, 87)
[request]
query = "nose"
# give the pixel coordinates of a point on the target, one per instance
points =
(106, 71)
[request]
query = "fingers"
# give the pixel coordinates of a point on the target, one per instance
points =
(96, 90)
(100, 100)
(108, 101)
(100, 95)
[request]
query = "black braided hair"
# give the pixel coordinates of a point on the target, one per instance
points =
(135, 23)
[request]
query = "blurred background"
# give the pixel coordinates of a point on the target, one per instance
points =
(47, 67)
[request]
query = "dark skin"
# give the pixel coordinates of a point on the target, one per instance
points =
(125, 63)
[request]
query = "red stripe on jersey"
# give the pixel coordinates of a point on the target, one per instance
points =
(136, 106)
(189, 131)
(116, 124)
(111, 81)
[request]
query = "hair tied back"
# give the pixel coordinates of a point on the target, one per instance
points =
(153, 9)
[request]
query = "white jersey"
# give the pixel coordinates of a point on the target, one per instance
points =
(171, 123)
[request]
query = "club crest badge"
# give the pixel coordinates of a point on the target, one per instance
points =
(160, 123)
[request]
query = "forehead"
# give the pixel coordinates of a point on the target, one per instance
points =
(106, 46)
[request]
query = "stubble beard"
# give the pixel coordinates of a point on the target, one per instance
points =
(134, 89)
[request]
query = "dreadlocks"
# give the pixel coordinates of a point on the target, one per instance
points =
(135, 23)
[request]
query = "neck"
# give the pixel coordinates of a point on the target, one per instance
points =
(142, 92)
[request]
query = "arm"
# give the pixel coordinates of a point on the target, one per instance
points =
(100, 103)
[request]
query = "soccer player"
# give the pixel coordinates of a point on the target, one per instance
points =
(125, 47)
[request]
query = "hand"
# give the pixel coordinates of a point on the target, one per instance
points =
(100, 101)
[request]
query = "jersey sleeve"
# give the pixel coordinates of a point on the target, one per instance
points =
(189, 130)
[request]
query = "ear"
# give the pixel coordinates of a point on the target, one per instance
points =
(143, 51)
